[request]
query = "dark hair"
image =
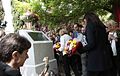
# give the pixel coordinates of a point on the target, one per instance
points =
(10, 43)
(21, 23)
(76, 24)
(93, 18)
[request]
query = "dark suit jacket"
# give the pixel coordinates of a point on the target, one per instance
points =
(6, 70)
(118, 49)
(2, 73)
(118, 42)
(98, 48)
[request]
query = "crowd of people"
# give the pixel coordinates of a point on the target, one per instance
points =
(89, 48)
(99, 55)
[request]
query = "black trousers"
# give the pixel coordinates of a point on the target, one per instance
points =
(72, 62)
(116, 66)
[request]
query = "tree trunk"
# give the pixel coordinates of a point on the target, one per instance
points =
(116, 8)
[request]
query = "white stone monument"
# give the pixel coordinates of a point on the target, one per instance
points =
(41, 47)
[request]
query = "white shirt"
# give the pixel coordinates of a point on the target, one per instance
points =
(82, 39)
(113, 43)
(63, 41)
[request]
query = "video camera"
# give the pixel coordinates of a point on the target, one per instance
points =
(3, 24)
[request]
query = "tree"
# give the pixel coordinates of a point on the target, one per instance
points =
(1, 11)
(55, 12)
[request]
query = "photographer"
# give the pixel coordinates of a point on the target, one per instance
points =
(2, 28)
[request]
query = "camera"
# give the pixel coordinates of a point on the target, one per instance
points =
(3, 24)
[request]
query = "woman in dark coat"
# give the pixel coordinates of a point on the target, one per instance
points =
(99, 62)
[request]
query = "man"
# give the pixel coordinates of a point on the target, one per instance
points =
(68, 61)
(64, 37)
(13, 53)
(114, 39)
(77, 33)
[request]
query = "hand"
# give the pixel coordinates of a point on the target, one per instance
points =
(111, 37)
(59, 53)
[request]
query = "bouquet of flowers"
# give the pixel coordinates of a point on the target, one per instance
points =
(56, 45)
(72, 46)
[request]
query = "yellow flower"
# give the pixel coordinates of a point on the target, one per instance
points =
(57, 45)
(74, 42)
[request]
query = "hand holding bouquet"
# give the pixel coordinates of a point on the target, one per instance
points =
(72, 46)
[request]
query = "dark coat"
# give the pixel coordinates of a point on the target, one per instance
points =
(118, 43)
(6, 70)
(118, 49)
(98, 48)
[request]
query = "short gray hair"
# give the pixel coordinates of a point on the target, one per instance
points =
(112, 23)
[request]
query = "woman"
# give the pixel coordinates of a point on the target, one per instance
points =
(13, 54)
(99, 61)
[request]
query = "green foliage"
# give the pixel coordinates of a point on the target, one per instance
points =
(55, 12)
(1, 11)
